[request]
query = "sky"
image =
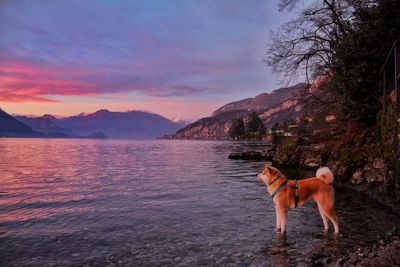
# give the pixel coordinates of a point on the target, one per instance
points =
(178, 58)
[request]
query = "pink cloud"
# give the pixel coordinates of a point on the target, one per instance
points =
(21, 82)
(17, 98)
(29, 81)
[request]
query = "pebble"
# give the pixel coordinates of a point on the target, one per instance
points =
(248, 254)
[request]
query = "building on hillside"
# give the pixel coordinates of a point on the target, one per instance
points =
(330, 118)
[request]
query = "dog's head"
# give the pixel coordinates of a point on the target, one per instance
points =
(268, 174)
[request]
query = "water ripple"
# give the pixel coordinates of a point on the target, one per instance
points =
(156, 203)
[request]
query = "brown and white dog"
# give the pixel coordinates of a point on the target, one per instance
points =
(318, 188)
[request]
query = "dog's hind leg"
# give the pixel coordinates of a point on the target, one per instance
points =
(278, 219)
(324, 218)
(326, 203)
(330, 213)
(332, 217)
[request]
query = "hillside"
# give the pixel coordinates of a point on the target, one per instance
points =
(209, 128)
(279, 105)
(287, 110)
(263, 101)
(10, 127)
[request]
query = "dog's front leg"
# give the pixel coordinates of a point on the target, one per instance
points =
(278, 219)
(283, 220)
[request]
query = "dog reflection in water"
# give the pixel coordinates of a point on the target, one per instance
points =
(287, 194)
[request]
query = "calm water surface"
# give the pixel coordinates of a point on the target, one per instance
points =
(150, 203)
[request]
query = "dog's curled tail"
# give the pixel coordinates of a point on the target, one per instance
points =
(325, 175)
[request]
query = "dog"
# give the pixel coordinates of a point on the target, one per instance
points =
(289, 194)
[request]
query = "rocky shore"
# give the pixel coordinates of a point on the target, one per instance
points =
(304, 157)
(253, 155)
(386, 252)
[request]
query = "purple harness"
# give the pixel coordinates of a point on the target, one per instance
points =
(289, 185)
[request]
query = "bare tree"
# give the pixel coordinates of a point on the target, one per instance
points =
(306, 44)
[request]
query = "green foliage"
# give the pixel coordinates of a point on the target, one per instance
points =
(359, 56)
(352, 152)
(386, 132)
(303, 128)
(255, 124)
(289, 144)
(254, 128)
(237, 128)
(275, 127)
(285, 126)
(261, 130)
(381, 125)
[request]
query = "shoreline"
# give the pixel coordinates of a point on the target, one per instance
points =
(385, 252)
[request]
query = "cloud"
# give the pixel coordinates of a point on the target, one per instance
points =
(155, 48)
(23, 82)
(180, 90)
(20, 82)
(18, 98)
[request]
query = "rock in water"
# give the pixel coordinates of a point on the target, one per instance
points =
(251, 155)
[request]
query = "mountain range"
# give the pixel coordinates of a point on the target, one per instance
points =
(11, 127)
(279, 105)
(100, 124)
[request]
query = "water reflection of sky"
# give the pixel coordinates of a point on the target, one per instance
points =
(157, 203)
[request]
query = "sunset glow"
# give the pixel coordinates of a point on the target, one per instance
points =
(174, 58)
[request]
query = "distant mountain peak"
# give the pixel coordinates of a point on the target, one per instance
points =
(262, 101)
(182, 120)
(101, 111)
(141, 111)
(49, 117)
(46, 124)
(132, 124)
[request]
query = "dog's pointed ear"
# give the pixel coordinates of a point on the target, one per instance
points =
(266, 168)
(271, 170)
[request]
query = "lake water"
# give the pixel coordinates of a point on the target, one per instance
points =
(70, 202)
